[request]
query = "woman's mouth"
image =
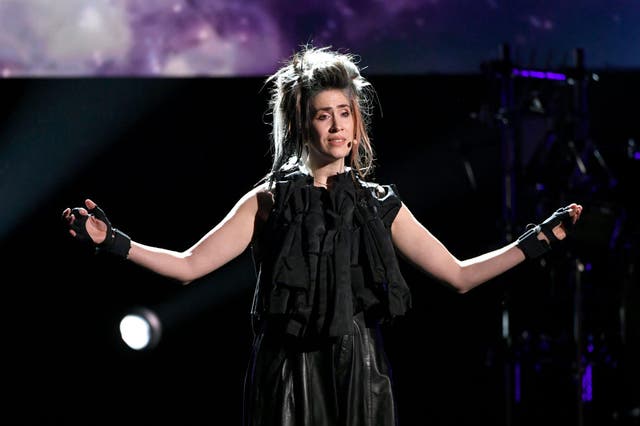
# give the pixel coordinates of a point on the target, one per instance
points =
(337, 141)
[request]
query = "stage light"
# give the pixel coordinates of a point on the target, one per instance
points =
(547, 75)
(141, 329)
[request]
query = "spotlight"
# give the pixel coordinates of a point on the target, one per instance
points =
(141, 329)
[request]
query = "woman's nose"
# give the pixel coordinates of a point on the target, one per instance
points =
(336, 126)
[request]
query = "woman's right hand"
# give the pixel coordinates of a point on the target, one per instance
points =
(83, 225)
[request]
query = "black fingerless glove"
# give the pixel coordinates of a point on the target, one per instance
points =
(531, 245)
(116, 242)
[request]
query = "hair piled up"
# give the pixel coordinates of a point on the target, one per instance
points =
(306, 73)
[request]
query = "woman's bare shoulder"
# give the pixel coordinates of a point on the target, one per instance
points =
(264, 196)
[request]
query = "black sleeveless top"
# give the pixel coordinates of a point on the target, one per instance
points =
(325, 255)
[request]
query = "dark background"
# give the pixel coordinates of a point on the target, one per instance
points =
(167, 158)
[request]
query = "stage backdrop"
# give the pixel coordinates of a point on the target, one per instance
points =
(252, 37)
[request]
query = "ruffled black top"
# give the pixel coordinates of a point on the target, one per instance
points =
(325, 255)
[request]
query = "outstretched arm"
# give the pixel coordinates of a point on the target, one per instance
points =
(224, 242)
(424, 250)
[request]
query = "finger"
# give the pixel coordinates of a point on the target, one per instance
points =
(72, 232)
(559, 232)
(90, 204)
(572, 209)
(577, 212)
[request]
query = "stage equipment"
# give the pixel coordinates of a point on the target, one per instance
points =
(141, 329)
(549, 158)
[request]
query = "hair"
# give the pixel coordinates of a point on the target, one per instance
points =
(305, 74)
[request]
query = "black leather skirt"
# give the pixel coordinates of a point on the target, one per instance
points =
(343, 381)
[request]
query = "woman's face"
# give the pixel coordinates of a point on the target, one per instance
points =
(332, 128)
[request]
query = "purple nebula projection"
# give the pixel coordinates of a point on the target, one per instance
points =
(252, 37)
(135, 37)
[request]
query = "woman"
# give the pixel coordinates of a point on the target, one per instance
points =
(325, 241)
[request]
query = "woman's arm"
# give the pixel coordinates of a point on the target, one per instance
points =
(228, 239)
(424, 250)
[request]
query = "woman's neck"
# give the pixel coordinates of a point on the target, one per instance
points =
(322, 174)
